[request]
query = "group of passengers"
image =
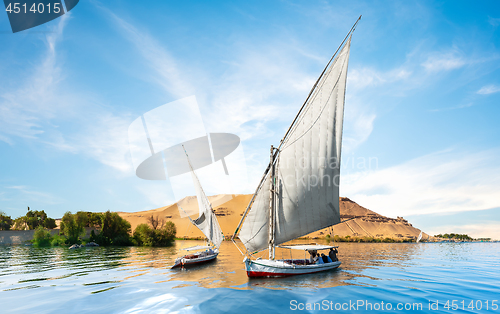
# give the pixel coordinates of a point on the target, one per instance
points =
(316, 258)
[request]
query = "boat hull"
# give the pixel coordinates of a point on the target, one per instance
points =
(186, 260)
(278, 268)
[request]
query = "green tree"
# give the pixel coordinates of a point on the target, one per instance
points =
(5, 221)
(33, 219)
(42, 237)
(115, 230)
(143, 235)
(95, 220)
(71, 228)
(166, 235)
(82, 218)
(147, 236)
(49, 223)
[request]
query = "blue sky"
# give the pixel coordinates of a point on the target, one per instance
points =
(421, 131)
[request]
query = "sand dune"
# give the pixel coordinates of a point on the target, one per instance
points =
(230, 208)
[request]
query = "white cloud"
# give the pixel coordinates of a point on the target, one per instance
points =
(489, 89)
(360, 78)
(454, 107)
(33, 110)
(105, 140)
(448, 181)
(444, 61)
(358, 126)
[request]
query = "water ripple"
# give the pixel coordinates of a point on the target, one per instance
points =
(130, 280)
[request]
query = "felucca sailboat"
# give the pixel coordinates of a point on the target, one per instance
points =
(207, 223)
(299, 191)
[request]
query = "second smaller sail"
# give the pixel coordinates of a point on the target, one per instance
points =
(207, 221)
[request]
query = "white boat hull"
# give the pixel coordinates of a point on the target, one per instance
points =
(194, 259)
(280, 268)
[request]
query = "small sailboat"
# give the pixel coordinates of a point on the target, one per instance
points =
(299, 191)
(207, 223)
(419, 237)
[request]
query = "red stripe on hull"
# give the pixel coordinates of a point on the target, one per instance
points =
(255, 274)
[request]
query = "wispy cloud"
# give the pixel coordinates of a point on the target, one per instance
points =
(444, 61)
(447, 181)
(358, 127)
(494, 21)
(34, 109)
(360, 78)
(30, 195)
(169, 76)
(489, 89)
(23, 111)
(257, 88)
(105, 140)
(453, 108)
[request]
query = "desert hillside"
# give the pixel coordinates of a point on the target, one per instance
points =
(229, 209)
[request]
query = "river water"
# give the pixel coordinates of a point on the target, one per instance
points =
(373, 277)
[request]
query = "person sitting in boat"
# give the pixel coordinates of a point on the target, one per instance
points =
(312, 256)
(333, 254)
(210, 251)
(319, 260)
(324, 258)
(316, 258)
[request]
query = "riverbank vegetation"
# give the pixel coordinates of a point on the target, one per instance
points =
(32, 220)
(454, 236)
(43, 238)
(5, 221)
(109, 229)
(347, 238)
(159, 234)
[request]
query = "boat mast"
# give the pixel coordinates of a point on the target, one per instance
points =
(272, 211)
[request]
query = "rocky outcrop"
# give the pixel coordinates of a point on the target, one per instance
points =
(79, 246)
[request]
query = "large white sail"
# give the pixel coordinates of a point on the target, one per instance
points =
(254, 232)
(307, 168)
